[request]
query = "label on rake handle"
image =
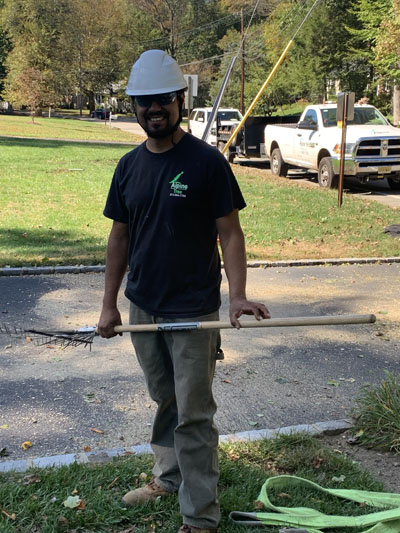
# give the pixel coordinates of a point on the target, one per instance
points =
(178, 326)
(86, 329)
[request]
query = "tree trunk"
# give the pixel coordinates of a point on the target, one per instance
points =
(92, 103)
(396, 105)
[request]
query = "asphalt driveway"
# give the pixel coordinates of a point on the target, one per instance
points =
(66, 400)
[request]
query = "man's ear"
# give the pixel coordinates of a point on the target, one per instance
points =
(182, 98)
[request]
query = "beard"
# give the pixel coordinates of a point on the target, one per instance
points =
(157, 131)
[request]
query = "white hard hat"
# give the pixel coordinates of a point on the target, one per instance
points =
(155, 72)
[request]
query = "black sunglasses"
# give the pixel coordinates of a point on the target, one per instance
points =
(161, 99)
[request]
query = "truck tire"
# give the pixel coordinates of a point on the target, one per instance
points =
(326, 177)
(229, 156)
(278, 166)
(393, 184)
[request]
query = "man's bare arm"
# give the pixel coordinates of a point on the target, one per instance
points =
(234, 255)
(116, 265)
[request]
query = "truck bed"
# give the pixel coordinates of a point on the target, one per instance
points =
(253, 131)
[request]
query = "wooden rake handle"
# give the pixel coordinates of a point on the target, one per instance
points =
(328, 320)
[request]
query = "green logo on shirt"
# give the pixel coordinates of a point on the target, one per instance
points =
(178, 188)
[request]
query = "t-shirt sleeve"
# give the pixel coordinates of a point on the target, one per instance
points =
(115, 207)
(225, 189)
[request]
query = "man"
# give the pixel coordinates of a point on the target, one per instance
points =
(169, 200)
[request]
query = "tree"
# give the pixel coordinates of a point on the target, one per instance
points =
(33, 28)
(89, 46)
(4, 50)
(74, 44)
(370, 38)
(31, 90)
(387, 55)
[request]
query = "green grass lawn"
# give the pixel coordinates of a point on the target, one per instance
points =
(53, 193)
(56, 128)
(34, 501)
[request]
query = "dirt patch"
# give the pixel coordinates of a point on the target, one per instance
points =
(384, 466)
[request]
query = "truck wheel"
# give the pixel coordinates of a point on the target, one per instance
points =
(229, 156)
(278, 166)
(393, 184)
(326, 177)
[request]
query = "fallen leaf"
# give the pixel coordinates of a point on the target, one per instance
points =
(11, 516)
(81, 506)
(74, 492)
(8, 346)
(95, 430)
(233, 456)
(89, 397)
(284, 495)
(62, 522)
(4, 452)
(226, 381)
(252, 423)
(26, 445)
(333, 382)
(317, 462)
(339, 479)
(72, 502)
(87, 449)
(28, 339)
(31, 479)
(281, 380)
(4, 426)
(350, 380)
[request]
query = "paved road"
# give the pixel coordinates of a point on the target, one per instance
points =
(270, 377)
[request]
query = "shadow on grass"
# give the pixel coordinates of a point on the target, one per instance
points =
(56, 143)
(19, 246)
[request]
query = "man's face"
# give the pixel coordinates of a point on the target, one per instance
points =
(158, 114)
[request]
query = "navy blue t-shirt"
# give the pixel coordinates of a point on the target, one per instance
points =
(171, 202)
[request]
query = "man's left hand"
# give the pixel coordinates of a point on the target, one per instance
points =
(241, 306)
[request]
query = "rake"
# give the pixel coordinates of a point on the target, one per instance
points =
(85, 335)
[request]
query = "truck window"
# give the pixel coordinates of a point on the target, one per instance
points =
(368, 115)
(362, 115)
(229, 115)
(311, 117)
(192, 115)
(200, 116)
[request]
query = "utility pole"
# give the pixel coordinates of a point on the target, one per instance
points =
(242, 72)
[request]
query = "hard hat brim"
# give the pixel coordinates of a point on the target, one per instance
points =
(160, 90)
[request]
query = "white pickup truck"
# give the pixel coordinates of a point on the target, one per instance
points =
(372, 149)
(227, 120)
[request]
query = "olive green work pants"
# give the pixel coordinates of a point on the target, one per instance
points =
(179, 368)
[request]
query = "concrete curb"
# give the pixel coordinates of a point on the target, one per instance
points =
(83, 269)
(333, 427)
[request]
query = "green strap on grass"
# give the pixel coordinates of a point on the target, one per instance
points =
(313, 521)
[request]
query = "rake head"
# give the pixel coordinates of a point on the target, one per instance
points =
(65, 338)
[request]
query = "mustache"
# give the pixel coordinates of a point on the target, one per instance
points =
(151, 114)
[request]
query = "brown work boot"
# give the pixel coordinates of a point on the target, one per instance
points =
(148, 493)
(192, 529)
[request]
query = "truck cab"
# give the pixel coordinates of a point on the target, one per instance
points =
(227, 120)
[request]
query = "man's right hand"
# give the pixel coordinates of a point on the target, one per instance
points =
(109, 318)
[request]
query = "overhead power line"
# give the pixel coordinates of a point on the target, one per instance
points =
(192, 30)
